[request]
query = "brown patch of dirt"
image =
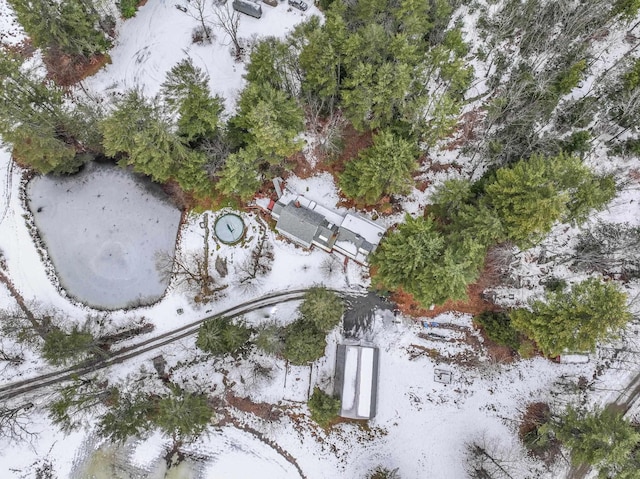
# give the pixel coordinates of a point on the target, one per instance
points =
(634, 174)
(497, 352)
(301, 167)
(536, 415)
(467, 358)
(466, 129)
(181, 198)
(354, 141)
(24, 49)
(67, 70)
(438, 167)
(265, 411)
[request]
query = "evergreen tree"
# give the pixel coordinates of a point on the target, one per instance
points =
(530, 196)
(36, 121)
(497, 326)
(601, 438)
(69, 26)
(76, 400)
(426, 263)
(321, 58)
(592, 311)
(385, 168)
(183, 415)
(186, 92)
(60, 347)
(374, 93)
(304, 342)
(457, 205)
(240, 176)
(322, 307)
(323, 408)
(140, 133)
(270, 121)
(129, 416)
(275, 62)
(220, 336)
(450, 197)
(270, 338)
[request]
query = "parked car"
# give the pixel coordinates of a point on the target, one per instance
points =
(299, 4)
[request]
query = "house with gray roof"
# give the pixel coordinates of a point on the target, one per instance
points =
(308, 224)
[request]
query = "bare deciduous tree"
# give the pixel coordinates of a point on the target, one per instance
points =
(259, 261)
(15, 421)
(486, 460)
(198, 10)
(228, 20)
(330, 266)
(190, 270)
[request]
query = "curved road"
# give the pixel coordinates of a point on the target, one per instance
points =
(18, 388)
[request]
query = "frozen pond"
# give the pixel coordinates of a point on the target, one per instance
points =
(104, 230)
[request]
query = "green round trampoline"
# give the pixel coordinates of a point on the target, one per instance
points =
(229, 228)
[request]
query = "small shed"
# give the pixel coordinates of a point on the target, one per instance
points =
(356, 380)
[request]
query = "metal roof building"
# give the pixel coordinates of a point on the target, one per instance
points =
(356, 380)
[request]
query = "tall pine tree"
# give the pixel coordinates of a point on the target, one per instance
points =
(593, 311)
(35, 119)
(424, 262)
(186, 92)
(269, 120)
(530, 196)
(72, 27)
(601, 438)
(140, 133)
(385, 168)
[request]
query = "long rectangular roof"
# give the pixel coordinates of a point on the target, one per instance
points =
(356, 380)
(370, 231)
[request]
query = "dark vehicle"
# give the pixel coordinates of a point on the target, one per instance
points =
(248, 8)
(299, 4)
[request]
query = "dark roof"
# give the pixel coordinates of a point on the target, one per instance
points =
(299, 223)
(277, 208)
(348, 235)
(326, 232)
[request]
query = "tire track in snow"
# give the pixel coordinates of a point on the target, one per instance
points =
(6, 193)
(26, 386)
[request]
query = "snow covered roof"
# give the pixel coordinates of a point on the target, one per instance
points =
(370, 231)
(356, 380)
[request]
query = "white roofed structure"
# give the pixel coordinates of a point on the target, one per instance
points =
(356, 380)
